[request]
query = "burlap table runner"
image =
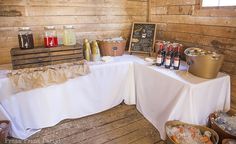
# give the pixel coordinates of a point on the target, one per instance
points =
(31, 78)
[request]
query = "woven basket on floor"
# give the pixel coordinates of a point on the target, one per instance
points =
(214, 137)
(222, 134)
(4, 131)
(229, 141)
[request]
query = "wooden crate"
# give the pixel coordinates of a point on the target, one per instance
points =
(45, 56)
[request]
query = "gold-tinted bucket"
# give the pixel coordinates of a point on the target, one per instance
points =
(204, 64)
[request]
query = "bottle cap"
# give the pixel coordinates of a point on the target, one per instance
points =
(85, 40)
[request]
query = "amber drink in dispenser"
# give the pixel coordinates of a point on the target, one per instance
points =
(25, 37)
(50, 37)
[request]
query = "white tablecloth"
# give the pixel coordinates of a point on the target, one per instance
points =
(105, 87)
(160, 95)
(164, 95)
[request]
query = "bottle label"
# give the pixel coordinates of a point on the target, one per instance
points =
(176, 62)
(167, 61)
(159, 59)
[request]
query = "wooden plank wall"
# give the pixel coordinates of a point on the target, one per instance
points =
(214, 29)
(93, 19)
(178, 20)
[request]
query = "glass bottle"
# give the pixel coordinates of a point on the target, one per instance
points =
(168, 58)
(177, 58)
(86, 50)
(160, 55)
(69, 36)
(25, 37)
(172, 54)
(95, 51)
(50, 37)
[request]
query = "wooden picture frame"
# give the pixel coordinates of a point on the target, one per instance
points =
(142, 39)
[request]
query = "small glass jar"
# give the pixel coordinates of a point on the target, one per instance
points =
(25, 37)
(69, 36)
(50, 37)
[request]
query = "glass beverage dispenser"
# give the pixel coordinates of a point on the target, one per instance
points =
(69, 37)
(25, 37)
(50, 37)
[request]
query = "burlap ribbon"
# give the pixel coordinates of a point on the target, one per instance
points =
(31, 78)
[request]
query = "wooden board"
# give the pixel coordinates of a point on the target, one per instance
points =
(142, 38)
(122, 124)
(45, 56)
(93, 19)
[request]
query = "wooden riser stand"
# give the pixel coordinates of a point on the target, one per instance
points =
(41, 56)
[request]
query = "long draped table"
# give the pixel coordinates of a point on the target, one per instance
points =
(159, 94)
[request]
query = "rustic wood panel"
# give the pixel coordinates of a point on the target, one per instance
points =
(201, 20)
(12, 11)
(66, 20)
(210, 28)
(215, 11)
(63, 10)
(215, 31)
(92, 19)
(120, 125)
(171, 2)
(180, 10)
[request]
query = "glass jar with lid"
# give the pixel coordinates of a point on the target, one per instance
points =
(50, 37)
(25, 37)
(69, 36)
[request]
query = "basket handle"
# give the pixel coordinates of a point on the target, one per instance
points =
(189, 62)
(214, 139)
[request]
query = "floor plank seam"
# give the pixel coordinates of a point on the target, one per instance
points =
(116, 128)
(159, 141)
(98, 126)
(137, 140)
(120, 136)
(87, 117)
(120, 125)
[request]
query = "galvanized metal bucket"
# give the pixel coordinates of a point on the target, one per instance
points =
(202, 63)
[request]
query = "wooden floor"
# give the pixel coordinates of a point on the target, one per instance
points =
(120, 125)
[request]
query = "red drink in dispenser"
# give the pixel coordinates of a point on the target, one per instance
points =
(50, 37)
(50, 42)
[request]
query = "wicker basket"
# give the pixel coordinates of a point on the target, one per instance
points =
(214, 137)
(229, 141)
(112, 48)
(4, 131)
(222, 134)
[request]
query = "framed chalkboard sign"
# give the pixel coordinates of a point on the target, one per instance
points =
(142, 38)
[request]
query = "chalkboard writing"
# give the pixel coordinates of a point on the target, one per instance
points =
(142, 37)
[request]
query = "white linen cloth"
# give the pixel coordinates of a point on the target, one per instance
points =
(160, 94)
(164, 94)
(105, 87)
